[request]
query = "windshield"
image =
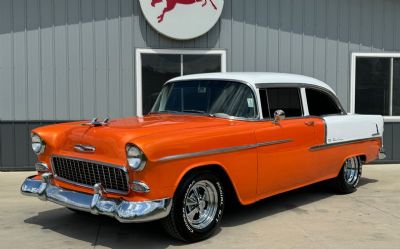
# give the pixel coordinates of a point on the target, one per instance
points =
(211, 97)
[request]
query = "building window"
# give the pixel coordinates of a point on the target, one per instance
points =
(375, 84)
(154, 67)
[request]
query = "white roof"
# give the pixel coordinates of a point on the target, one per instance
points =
(257, 78)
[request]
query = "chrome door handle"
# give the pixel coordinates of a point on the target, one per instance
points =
(309, 123)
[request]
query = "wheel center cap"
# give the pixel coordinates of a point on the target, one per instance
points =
(202, 204)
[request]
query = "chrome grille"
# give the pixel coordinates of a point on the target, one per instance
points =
(87, 173)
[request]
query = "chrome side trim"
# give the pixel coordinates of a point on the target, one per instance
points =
(327, 146)
(122, 210)
(222, 150)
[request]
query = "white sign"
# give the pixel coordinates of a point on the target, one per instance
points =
(182, 19)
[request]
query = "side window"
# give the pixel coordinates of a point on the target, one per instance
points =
(285, 99)
(320, 103)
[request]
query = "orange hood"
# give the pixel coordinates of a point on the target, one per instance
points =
(110, 140)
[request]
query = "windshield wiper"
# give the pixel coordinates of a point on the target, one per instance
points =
(194, 111)
(165, 111)
(219, 115)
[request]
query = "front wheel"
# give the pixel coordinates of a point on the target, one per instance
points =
(347, 180)
(197, 208)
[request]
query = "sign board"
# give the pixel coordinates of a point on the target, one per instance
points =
(182, 19)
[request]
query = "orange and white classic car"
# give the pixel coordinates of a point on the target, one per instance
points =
(208, 137)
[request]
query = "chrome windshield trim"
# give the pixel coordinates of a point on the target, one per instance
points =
(327, 146)
(223, 150)
(252, 88)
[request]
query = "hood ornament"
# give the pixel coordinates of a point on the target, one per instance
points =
(84, 148)
(95, 122)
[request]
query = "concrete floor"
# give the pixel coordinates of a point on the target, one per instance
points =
(311, 217)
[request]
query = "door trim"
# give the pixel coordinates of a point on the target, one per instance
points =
(138, 67)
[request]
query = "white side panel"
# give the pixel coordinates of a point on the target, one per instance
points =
(351, 127)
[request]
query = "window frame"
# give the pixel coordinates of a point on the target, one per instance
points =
(181, 52)
(303, 105)
(332, 97)
(354, 57)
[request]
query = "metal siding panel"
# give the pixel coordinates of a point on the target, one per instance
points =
(74, 59)
(7, 84)
(396, 141)
(397, 28)
(200, 42)
(308, 37)
(343, 85)
(297, 37)
(388, 140)
(139, 26)
(226, 33)
(261, 35)
(366, 25)
(285, 28)
(273, 36)
(237, 35)
(21, 145)
(61, 69)
(249, 52)
(7, 144)
(332, 43)
(320, 40)
(101, 59)
(128, 56)
(20, 67)
(34, 96)
(377, 26)
(114, 81)
(46, 49)
(152, 37)
(88, 84)
(213, 36)
(355, 25)
(389, 25)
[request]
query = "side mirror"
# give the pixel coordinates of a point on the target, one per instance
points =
(278, 116)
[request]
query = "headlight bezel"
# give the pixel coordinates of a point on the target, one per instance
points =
(135, 157)
(37, 143)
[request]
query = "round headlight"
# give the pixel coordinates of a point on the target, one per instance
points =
(38, 144)
(136, 158)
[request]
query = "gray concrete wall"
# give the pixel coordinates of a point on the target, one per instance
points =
(70, 60)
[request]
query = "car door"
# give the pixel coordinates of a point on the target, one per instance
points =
(284, 158)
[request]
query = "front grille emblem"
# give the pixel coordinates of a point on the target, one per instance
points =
(84, 148)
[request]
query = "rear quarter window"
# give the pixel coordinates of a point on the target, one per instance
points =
(320, 103)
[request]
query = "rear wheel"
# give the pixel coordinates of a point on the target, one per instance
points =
(347, 180)
(197, 208)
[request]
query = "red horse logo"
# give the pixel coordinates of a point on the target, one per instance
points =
(172, 3)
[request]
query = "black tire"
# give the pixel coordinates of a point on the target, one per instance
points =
(177, 223)
(346, 182)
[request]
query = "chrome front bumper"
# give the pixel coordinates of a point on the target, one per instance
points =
(123, 211)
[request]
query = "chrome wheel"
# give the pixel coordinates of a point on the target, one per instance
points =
(351, 171)
(201, 204)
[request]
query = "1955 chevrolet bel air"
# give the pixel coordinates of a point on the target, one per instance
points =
(208, 137)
